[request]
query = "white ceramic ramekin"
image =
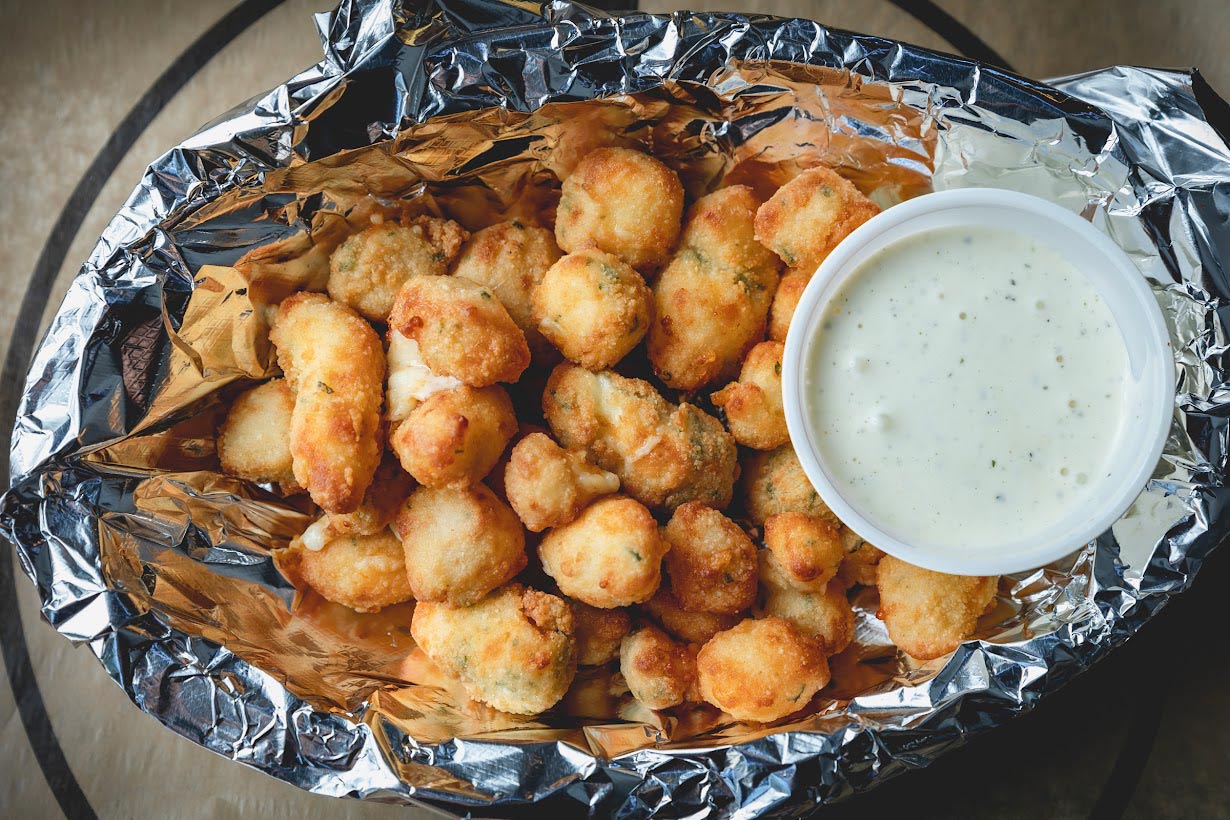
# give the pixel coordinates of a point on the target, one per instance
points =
(1149, 386)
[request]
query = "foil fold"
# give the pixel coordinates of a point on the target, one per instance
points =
(168, 570)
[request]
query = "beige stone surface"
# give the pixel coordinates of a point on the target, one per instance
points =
(73, 69)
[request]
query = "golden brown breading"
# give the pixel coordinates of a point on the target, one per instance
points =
(809, 215)
(510, 258)
(363, 572)
(789, 291)
(461, 329)
(807, 549)
(369, 267)
(460, 544)
(384, 497)
(548, 486)
(610, 556)
(860, 562)
(454, 438)
(753, 404)
(496, 479)
(593, 307)
(254, 440)
(928, 614)
(513, 650)
(688, 626)
(659, 672)
(334, 364)
(623, 202)
(665, 455)
(598, 632)
(774, 482)
(826, 615)
(711, 302)
(761, 670)
(712, 562)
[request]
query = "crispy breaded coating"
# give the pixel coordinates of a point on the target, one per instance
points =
(496, 479)
(774, 482)
(665, 455)
(254, 440)
(761, 670)
(548, 486)
(659, 672)
(809, 215)
(806, 548)
(610, 556)
(364, 572)
(334, 364)
(929, 614)
(824, 614)
(461, 329)
(593, 307)
(860, 562)
(369, 268)
(388, 491)
(598, 632)
(513, 650)
(753, 404)
(454, 438)
(711, 302)
(510, 258)
(712, 562)
(686, 625)
(623, 202)
(460, 544)
(785, 300)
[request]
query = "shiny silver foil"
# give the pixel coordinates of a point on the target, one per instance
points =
(167, 569)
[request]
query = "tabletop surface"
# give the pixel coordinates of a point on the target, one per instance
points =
(93, 91)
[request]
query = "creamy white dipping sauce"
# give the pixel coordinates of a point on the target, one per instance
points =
(967, 387)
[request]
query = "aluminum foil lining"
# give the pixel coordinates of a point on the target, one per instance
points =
(165, 568)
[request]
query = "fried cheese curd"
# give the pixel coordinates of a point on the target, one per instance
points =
(598, 632)
(410, 380)
(761, 670)
(513, 650)
(785, 300)
(461, 330)
(459, 543)
(623, 202)
(254, 442)
(548, 486)
(388, 491)
(774, 482)
(929, 614)
(711, 563)
(364, 572)
(753, 404)
(809, 215)
(593, 307)
(664, 454)
(659, 672)
(454, 437)
(711, 302)
(368, 269)
(824, 614)
(684, 624)
(510, 258)
(807, 549)
(334, 364)
(610, 556)
(859, 564)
